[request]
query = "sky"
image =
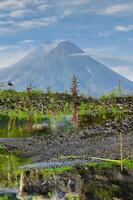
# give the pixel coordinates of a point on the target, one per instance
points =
(103, 28)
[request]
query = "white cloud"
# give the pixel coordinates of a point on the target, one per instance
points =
(19, 13)
(10, 4)
(7, 22)
(43, 7)
(6, 30)
(109, 53)
(78, 54)
(117, 9)
(124, 28)
(40, 4)
(3, 48)
(45, 21)
(72, 2)
(10, 26)
(101, 52)
(10, 54)
(66, 13)
(27, 41)
(11, 59)
(17, 4)
(124, 71)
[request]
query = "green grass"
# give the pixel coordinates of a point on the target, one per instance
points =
(110, 165)
(53, 171)
(128, 163)
(71, 196)
(102, 165)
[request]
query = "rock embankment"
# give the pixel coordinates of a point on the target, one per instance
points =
(81, 183)
(56, 101)
(38, 102)
(82, 143)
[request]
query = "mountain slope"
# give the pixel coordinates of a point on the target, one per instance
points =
(54, 66)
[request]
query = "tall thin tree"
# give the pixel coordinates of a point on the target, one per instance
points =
(30, 121)
(74, 91)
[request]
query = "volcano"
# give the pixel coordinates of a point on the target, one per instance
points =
(53, 66)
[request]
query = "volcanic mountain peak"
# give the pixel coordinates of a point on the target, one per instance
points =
(67, 48)
(53, 65)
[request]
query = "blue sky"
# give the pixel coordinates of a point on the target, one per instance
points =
(103, 28)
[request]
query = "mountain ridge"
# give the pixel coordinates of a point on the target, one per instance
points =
(53, 65)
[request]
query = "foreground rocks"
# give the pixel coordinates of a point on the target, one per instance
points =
(93, 142)
(81, 183)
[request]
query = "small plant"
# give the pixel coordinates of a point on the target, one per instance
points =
(3, 148)
(71, 196)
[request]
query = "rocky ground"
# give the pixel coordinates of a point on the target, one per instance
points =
(94, 141)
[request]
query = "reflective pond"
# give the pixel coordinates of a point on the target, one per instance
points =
(23, 128)
(29, 183)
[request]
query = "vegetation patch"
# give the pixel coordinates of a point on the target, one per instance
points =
(71, 196)
(52, 171)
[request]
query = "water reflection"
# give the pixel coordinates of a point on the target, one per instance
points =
(28, 184)
(23, 197)
(13, 180)
(14, 128)
(8, 197)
